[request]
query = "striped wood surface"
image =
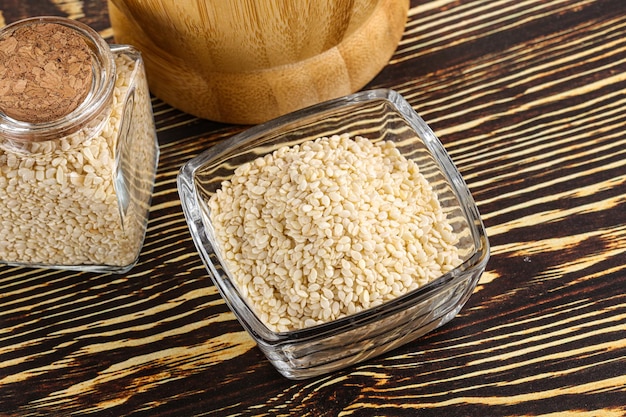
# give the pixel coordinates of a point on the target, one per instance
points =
(528, 96)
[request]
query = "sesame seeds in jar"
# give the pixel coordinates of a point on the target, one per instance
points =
(329, 228)
(76, 187)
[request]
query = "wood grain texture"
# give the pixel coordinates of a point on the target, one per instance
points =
(528, 97)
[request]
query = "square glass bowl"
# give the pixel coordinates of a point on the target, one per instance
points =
(376, 115)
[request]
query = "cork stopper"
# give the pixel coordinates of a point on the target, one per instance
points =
(45, 72)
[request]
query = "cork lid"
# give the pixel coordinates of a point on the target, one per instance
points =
(45, 72)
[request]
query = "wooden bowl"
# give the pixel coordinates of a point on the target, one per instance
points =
(248, 61)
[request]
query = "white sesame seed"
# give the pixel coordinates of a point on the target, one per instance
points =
(60, 223)
(348, 220)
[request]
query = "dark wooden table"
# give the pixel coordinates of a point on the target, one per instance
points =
(529, 97)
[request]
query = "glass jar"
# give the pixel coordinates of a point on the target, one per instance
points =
(75, 187)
